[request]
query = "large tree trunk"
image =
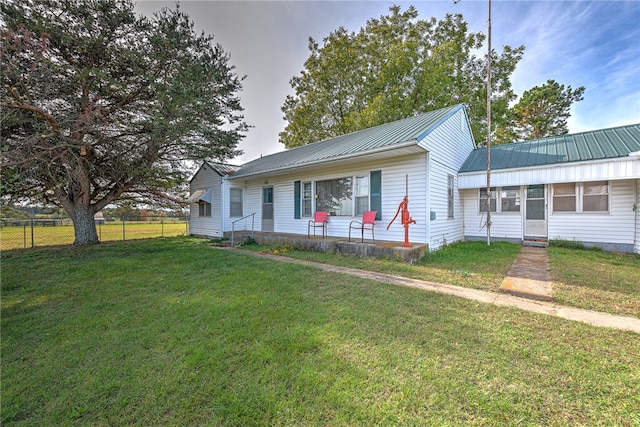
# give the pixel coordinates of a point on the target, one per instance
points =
(84, 226)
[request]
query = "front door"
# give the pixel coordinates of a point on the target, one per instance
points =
(267, 209)
(535, 224)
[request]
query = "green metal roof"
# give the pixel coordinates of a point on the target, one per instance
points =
(387, 136)
(594, 145)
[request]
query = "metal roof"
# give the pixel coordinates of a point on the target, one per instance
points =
(388, 136)
(587, 146)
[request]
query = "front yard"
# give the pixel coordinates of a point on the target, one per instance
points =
(171, 332)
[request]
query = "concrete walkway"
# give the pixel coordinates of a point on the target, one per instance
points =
(542, 307)
(529, 275)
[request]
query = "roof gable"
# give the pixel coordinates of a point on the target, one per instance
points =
(386, 136)
(586, 146)
(222, 169)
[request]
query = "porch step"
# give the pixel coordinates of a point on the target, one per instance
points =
(536, 243)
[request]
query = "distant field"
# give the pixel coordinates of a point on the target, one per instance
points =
(21, 237)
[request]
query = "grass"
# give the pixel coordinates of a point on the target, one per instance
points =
(471, 264)
(21, 237)
(172, 332)
(596, 280)
(583, 278)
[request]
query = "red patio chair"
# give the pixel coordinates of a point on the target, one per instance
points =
(319, 221)
(367, 223)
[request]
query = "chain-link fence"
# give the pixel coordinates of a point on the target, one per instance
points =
(18, 233)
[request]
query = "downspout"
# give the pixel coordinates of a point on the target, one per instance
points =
(427, 217)
(636, 236)
(222, 192)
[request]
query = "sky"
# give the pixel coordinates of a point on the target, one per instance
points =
(595, 44)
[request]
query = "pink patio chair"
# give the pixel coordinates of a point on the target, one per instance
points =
(367, 223)
(319, 221)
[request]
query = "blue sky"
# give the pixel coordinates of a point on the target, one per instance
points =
(595, 44)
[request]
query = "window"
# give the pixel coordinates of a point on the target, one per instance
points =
(483, 199)
(335, 196)
(581, 197)
(362, 194)
(204, 208)
(564, 197)
(595, 196)
(510, 199)
(450, 184)
(307, 196)
(235, 196)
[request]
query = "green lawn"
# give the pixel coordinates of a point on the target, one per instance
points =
(588, 279)
(172, 332)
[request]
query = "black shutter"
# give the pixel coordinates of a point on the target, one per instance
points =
(296, 199)
(375, 197)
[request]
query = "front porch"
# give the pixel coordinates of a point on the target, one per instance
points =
(366, 249)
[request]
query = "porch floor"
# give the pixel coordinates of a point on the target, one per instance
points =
(366, 249)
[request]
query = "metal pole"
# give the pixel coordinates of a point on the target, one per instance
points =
(489, 130)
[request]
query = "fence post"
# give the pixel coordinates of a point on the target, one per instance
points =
(33, 243)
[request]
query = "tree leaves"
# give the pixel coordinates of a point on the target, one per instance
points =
(99, 103)
(396, 66)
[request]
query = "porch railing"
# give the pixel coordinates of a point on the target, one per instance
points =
(233, 226)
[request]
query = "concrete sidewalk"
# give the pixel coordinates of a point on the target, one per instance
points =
(529, 275)
(542, 307)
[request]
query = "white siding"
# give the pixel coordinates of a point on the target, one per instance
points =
(615, 227)
(393, 191)
(504, 225)
(448, 145)
(206, 226)
(614, 169)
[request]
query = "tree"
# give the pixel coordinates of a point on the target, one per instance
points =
(101, 105)
(394, 67)
(542, 111)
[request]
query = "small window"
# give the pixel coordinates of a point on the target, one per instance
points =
(307, 197)
(204, 209)
(595, 197)
(510, 199)
(483, 199)
(450, 199)
(362, 195)
(235, 196)
(564, 197)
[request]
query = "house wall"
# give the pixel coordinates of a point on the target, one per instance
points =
(207, 226)
(394, 171)
(614, 230)
(504, 225)
(448, 145)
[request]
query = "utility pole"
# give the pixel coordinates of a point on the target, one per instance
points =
(488, 124)
(489, 130)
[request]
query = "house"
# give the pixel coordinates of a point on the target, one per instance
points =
(371, 169)
(209, 202)
(582, 187)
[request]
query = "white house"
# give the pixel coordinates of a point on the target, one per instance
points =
(350, 174)
(582, 187)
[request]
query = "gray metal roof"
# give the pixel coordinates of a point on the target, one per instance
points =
(381, 137)
(594, 145)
